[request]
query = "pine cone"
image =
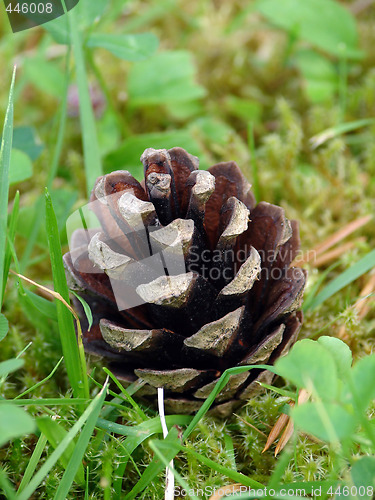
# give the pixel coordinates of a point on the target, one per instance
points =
(187, 277)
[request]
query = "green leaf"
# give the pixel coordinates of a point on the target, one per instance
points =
(214, 130)
(127, 156)
(87, 12)
(4, 326)
(348, 276)
(363, 474)
(86, 308)
(361, 391)
(21, 167)
(46, 307)
(55, 433)
(58, 29)
(245, 109)
(164, 78)
(310, 365)
(319, 73)
(10, 365)
(341, 354)
(25, 139)
(14, 422)
(127, 47)
(5, 157)
(329, 421)
(324, 23)
(45, 76)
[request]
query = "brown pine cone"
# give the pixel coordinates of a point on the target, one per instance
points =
(186, 276)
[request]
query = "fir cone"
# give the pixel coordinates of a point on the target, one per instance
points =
(187, 276)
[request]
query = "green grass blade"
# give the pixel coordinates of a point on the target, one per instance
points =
(308, 299)
(91, 151)
(35, 386)
(126, 394)
(75, 365)
(253, 163)
(11, 235)
(355, 271)
(221, 469)
(145, 429)
(33, 462)
(340, 129)
(47, 401)
(5, 154)
(56, 454)
(55, 433)
(76, 460)
(221, 383)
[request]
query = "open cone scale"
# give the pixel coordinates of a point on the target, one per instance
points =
(236, 301)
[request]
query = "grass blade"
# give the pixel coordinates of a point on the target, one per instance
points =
(55, 433)
(38, 384)
(253, 163)
(11, 235)
(54, 457)
(75, 462)
(91, 151)
(343, 128)
(75, 365)
(33, 462)
(355, 271)
(5, 154)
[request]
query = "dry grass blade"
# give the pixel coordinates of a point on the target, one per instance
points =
(250, 425)
(230, 489)
(334, 254)
(284, 421)
(49, 292)
(281, 422)
(333, 240)
(286, 435)
(362, 305)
